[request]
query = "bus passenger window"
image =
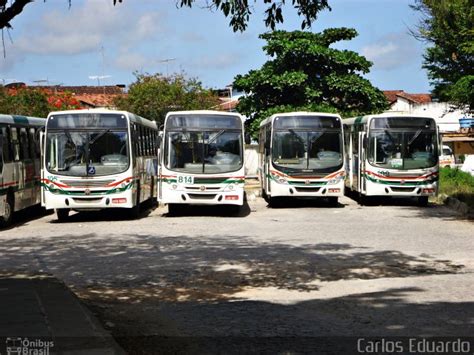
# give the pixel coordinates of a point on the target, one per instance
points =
(15, 143)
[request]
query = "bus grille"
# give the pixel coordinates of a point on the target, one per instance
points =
(307, 189)
(202, 196)
(402, 189)
(197, 188)
(87, 183)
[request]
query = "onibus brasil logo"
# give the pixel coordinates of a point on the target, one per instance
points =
(25, 346)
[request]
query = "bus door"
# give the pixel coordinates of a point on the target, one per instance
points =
(42, 154)
(361, 162)
(2, 202)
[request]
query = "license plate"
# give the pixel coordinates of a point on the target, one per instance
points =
(185, 179)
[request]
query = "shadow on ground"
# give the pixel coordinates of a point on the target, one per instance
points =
(292, 202)
(27, 215)
(209, 211)
(146, 287)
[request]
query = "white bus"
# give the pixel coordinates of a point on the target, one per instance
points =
(202, 159)
(96, 159)
(392, 154)
(301, 155)
(19, 164)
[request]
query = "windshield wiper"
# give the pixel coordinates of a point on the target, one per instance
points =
(99, 136)
(414, 137)
(220, 133)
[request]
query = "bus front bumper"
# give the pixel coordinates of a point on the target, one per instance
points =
(89, 203)
(376, 189)
(300, 190)
(203, 197)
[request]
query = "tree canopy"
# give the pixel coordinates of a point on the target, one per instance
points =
(305, 73)
(239, 12)
(35, 102)
(154, 95)
(448, 25)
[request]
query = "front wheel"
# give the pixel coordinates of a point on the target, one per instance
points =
(333, 201)
(423, 201)
(7, 218)
(62, 214)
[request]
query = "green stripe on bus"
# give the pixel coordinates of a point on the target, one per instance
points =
(405, 183)
(59, 191)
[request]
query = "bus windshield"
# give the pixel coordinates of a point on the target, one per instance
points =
(403, 143)
(307, 144)
(87, 153)
(203, 144)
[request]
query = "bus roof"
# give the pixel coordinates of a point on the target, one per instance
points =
(132, 117)
(204, 112)
(366, 118)
(22, 120)
(297, 113)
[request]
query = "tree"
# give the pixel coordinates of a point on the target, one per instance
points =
(34, 102)
(448, 25)
(153, 96)
(238, 11)
(305, 73)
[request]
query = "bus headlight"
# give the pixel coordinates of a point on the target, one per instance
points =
(230, 187)
(334, 181)
(282, 181)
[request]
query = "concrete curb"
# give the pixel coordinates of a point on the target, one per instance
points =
(44, 308)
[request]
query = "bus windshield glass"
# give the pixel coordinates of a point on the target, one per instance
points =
(203, 144)
(307, 144)
(403, 143)
(77, 150)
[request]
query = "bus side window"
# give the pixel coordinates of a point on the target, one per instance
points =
(25, 150)
(268, 137)
(32, 143)
(15, 143)
(1, 151)
(7, 156)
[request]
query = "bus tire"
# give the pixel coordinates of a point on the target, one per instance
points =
(134, 212)
(422, 201)
(7, 218)
(333, 201)
(175, 209)
(62, 214)
(265, 196)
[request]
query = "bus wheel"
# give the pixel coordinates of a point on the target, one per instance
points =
(333, 201)
(7, 218)
(62, 214)
(423, 201)
(175, 209)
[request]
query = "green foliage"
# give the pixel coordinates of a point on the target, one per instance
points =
(449, 26)
(305, 73)
(457, 183)
(27, 102)
(240, 11)
(153, 96)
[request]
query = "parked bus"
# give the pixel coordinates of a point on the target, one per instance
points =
(301, 155)
(392, 154)
(202, 159)
(96, 159)
(19, 164)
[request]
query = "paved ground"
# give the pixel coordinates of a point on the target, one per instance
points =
(302, 271)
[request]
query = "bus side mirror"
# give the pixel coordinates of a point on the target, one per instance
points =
(248, 138)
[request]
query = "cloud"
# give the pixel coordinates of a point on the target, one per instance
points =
(392, 51)
(84, 28)
(131, 61)
(221, 61)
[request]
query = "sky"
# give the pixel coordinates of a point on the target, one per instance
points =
(68, 46)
